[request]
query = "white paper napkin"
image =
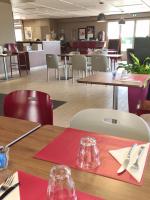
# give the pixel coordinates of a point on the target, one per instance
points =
(126, 79)
(121, 154)
(14, 194)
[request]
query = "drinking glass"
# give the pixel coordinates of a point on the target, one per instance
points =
(114, 73)
(61, 185)
(88, 154)
(4, 157)
(124, 74)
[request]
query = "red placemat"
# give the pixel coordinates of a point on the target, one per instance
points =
(34, 188)
(63, 150)
(138, 77)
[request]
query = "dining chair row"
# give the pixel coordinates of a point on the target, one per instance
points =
(78, 63)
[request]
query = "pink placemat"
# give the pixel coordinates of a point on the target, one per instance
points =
(34, 188)
(64, 148)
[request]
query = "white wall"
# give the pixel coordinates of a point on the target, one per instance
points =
(7, 34)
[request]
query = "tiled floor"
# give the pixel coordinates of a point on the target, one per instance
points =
(78, 96)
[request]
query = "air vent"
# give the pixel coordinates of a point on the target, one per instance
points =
(25, 1)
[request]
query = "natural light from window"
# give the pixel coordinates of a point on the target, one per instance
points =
(18, 34)
(113, 30)
(142, 28)
(127, 35)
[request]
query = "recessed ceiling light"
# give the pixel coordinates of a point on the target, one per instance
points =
(101, 2)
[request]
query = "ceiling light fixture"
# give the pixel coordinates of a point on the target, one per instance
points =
(122, 21)
(101, 18)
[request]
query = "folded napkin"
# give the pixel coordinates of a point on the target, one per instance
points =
(14, 194)
(126, 79)
(121, 154)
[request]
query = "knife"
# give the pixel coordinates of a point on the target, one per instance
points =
(126, 160)
(11, 188)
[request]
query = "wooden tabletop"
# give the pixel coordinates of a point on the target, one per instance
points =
(11, 129)
(21, 157)
(105, 78)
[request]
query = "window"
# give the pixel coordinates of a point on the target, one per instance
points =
(142, 28)
(18, 34)
(127, 35)
(113, 30)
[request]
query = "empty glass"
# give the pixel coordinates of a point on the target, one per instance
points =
(124, 74)
(4, 157)
(114, 73)
(88, 155)
(61, 185)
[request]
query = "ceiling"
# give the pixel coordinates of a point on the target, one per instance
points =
(34, 9)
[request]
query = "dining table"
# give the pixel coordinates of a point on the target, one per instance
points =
(137, 86)
(22, 158)
(12, 129)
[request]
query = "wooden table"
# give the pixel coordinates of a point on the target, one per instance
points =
(105, 78)
(21, 157)
(11, 129)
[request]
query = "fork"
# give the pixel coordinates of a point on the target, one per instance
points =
(136, 163)
(7, 183)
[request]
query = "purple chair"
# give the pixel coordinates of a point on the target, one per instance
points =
(29, 105)
(21, 58)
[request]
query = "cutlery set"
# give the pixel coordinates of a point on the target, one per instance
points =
(127, 160)
(7, 187)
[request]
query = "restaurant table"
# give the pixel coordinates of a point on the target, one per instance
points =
(105, 78)
(4, 56)
(21, 158)
(12, 130)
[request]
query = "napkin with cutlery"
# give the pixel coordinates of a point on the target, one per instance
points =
(14, 194)
(121, 154)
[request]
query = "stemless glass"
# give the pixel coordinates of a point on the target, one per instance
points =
(4, 157)
(88, 155)
(61, 185)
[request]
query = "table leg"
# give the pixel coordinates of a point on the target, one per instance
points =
(115, 97)
(5, 68)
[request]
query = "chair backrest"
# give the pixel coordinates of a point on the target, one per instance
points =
(115, 44)
(100, 63)
(52, 61)
(104, 121)
(12, 48)
(79, 62)
(30, 105)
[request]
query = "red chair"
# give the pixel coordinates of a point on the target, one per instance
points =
(143, 107)
(21, 58)
(29, 105)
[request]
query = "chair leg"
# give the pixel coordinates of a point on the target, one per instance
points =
(59, 74)
(19, 64)
(72, 77)
(10, 66)
(25, 63)
(47, 74)
(56, 74)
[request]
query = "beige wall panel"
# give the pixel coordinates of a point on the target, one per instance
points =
(6, 23)
(70, 26)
